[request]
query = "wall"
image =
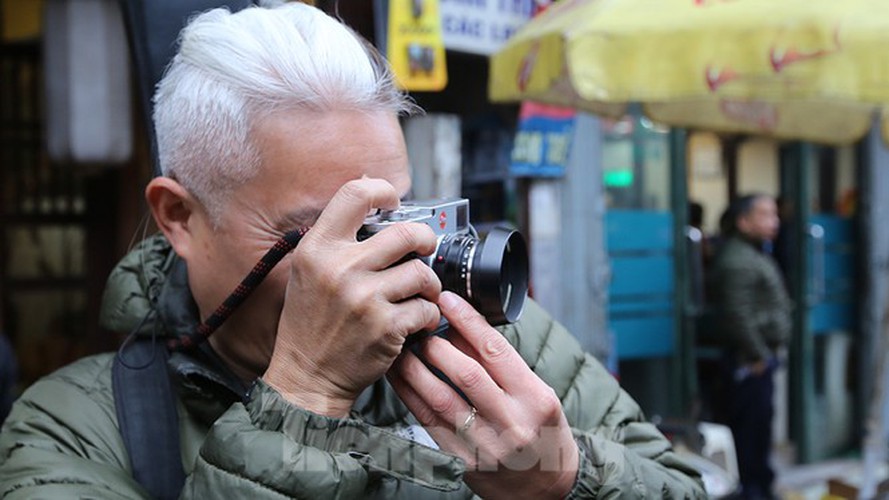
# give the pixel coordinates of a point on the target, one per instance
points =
(708, 180)
(758, 167)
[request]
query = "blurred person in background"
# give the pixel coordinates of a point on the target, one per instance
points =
(753, 317)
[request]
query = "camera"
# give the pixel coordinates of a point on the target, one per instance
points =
(491, 273)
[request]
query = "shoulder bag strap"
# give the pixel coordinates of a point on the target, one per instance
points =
(147, 417)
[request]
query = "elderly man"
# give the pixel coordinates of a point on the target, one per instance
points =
(273, 119)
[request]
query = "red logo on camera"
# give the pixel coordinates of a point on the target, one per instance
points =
(443, 220)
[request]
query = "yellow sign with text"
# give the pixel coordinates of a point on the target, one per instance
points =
(415, 48)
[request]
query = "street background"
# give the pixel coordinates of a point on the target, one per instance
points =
(602, 185)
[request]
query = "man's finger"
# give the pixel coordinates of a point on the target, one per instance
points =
(407, 280)
(469, 376)
(346, 211)
(441, 431)
(441, 405)
(495, 354)
(413, 315)
(397, 241)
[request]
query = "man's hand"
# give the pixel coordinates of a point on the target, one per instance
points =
(517, 442)
(347, 307)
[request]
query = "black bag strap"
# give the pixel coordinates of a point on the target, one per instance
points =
(147, 417)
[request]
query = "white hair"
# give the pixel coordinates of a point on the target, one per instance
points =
(232, 69)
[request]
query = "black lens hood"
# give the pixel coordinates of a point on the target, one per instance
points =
(499, 276)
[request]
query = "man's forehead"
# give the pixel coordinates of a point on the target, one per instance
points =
(307, 158)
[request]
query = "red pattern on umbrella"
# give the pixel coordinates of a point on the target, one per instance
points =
(527, 67)
(781, 58)
(718, 77)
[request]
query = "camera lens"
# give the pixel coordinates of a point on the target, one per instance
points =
(492, 273)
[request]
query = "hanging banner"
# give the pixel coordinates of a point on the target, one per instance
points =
(542, 141)
(414, 47)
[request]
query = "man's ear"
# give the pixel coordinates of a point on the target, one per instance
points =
(174, 210)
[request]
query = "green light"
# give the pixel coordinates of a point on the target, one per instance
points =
(619, 178)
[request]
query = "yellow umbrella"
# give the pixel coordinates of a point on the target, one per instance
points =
(807, 69)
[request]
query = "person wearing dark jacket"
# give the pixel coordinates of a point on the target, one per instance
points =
(753, 314)
(274, 119)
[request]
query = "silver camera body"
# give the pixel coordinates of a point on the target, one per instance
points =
(491, 273)
(445, 216)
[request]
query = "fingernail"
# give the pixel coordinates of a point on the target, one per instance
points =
(447, 300)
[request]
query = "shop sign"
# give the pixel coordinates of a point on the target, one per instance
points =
(482, 26)
(542, 141)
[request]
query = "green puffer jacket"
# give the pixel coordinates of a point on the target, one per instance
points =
(62, 439)
(751, 308)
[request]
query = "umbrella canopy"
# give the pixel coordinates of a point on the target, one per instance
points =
(815, 70)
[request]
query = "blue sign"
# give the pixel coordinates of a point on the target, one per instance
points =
(542, 141)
